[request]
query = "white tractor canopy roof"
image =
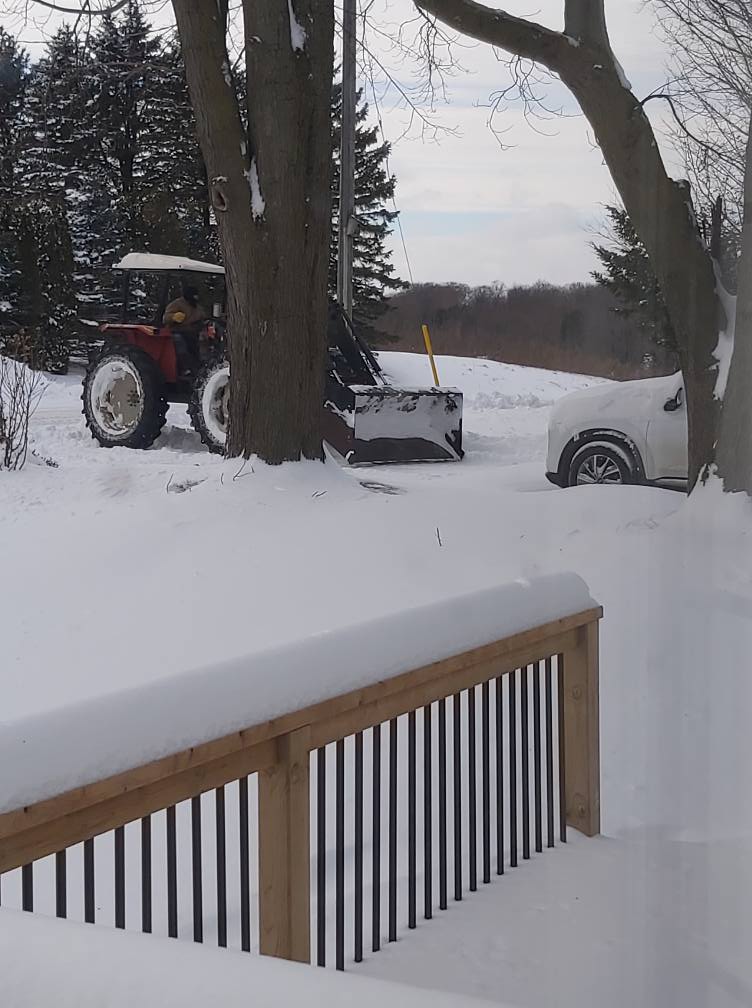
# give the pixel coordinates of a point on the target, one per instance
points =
(147, 261)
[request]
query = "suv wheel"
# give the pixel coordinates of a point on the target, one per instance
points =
(597, 463)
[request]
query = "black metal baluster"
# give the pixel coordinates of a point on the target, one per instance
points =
(89, 881)
(146, 874)
(120, 877)
(537, 757)
(340, 856)
(471, 791)
(411, 817)
(196, 870)
(245, 866)
(442, 807)
(427, 816)
(27, 887)
(376, 865)
(172, 874)
(524, 743)
(358, 940)
(457, 753)
(393, 830)
(549, 754)
(486, 782)
(513, 768)
(562, 755)
(321, 856)
(219, 797)
(61, 885)
(499, 777)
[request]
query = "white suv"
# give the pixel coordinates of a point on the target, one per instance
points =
(620, 432)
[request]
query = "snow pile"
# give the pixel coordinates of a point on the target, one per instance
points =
(49, 962)
(485, 384)
(132, 716)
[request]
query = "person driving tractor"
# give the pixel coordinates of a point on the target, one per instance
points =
(185, 313)
(185, 317)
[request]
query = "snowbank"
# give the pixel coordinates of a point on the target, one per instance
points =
(52, 962)
(130, 720)
(485, 384)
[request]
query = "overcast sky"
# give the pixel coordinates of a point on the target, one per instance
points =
(477, 213)
(471, 210)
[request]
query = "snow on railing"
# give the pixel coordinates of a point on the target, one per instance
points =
(486, 752)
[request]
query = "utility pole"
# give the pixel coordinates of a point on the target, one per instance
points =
(347, 222)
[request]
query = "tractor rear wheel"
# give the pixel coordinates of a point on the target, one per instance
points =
(123, 397)
(209, 405)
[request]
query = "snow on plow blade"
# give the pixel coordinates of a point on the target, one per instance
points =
(369, 424)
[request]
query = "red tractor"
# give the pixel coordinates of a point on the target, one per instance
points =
(145, 365)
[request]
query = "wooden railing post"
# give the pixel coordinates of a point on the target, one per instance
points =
(284, 851)
(581, 733)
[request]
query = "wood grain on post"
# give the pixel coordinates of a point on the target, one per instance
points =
(284, 851)
(581, 733)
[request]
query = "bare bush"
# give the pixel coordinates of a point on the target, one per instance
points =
(20, 392)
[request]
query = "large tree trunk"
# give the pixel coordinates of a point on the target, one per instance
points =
(659, 208)
(661, 212)
(289, 59)
(270, 190)
(735, 443)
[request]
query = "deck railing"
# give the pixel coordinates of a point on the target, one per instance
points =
(441, 778)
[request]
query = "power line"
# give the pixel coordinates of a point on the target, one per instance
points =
(389, 172)
(368, 69)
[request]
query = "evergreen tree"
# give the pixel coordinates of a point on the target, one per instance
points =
(126, 73)
(373, 272)
(111, 133)
(175, 199)
(13, 78)
(37, 243)
(61, 161)
(627, 273)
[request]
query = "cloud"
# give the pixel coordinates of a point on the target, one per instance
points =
(476, 212)
(548, 242)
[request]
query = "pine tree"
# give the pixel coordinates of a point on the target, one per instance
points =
(13, 80)
(175, 199)
(373, 272)
(145, 132)
(629, 276)
(14, 65)
(59, 162)
(39, 248)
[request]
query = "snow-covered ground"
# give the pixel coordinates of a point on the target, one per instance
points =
(106, 568)
(74, 966)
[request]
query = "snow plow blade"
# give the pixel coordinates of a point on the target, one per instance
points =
(379, 424)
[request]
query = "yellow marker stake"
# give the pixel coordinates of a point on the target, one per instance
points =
(429, 351)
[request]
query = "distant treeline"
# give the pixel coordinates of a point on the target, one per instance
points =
(572, 328)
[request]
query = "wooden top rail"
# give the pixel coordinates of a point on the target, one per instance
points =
(35, 831)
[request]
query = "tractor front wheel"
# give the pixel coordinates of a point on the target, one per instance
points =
(123, 397)
(209, 405)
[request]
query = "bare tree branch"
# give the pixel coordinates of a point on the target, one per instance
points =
(505, 31)
(84, 9)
